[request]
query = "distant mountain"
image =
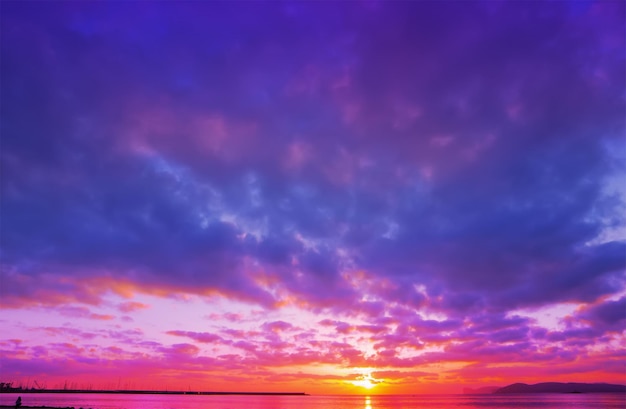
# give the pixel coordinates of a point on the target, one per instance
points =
(558, 387)
(480, 391)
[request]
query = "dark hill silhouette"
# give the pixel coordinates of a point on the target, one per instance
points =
(558, 387)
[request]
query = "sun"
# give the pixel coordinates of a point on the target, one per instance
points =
(365, 381)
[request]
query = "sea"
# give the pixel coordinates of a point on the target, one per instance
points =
(121, 401)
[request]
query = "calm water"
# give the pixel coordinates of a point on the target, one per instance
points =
(104, 401)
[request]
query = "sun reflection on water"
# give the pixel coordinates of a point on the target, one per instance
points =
(368, 403)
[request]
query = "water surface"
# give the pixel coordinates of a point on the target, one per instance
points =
(109, 401)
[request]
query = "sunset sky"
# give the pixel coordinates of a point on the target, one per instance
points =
(415, 197)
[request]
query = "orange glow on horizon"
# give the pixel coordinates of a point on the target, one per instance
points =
(365, 381)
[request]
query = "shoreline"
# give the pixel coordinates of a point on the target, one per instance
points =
(143, 392)
(37, 407)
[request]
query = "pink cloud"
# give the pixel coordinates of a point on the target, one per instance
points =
(277, 326)
(83, 312)
(202, 337)
(131, 306)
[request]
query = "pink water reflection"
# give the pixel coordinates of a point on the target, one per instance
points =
(108, 401)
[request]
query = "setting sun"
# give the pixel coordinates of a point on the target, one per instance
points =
(365, 381)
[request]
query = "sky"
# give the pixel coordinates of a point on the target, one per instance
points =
(321, 197)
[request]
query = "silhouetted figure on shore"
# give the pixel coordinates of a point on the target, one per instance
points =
(18, 402)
